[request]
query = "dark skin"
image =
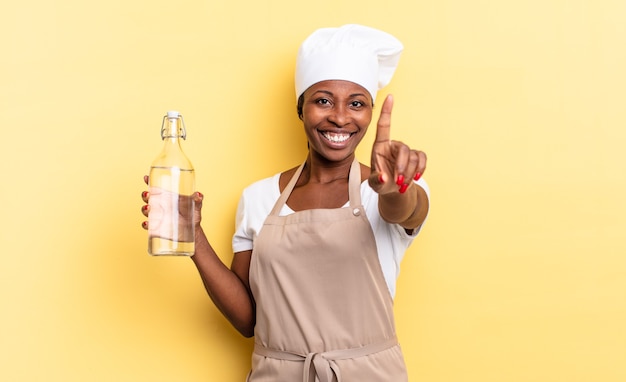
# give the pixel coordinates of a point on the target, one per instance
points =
(335, 115)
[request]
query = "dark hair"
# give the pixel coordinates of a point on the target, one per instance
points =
(300, 105)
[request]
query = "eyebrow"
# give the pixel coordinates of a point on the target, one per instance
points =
(332, 94)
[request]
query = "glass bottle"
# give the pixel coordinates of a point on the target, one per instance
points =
(171, 187)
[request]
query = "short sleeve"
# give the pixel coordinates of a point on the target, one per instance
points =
(242, 239)
(255, 203)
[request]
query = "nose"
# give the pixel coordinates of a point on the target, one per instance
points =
(339, 116)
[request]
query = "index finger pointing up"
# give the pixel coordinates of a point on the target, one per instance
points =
(384, 121)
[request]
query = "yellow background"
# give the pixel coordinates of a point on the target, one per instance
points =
(519, 275)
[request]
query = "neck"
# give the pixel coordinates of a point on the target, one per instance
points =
(321, 170)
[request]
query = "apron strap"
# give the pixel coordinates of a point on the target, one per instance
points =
(322, 366)
(354, 187)
(354, 184)
(287, 191)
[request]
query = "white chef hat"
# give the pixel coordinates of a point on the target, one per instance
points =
(355, 53)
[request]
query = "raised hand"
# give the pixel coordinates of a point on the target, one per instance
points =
(394, 164)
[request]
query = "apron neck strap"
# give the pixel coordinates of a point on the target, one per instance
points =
(354, 184)
(354, 187)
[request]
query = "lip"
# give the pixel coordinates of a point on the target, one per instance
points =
(336, 139)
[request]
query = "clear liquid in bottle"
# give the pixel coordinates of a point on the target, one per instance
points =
(171, 187)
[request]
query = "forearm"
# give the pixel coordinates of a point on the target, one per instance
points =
(408, 209)
(227, 290)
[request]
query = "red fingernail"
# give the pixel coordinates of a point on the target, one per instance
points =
(400, 180)
(403, 188)
(145, 207)
(200, 195)
(380, 178)
(417, 176)
(144, 194)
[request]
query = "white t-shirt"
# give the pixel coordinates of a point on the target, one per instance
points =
(259, 198)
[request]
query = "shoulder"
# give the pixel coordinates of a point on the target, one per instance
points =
(262, 191)
(262, 184)
(284, 178)
(255, 203)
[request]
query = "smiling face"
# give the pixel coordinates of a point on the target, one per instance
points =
(336, 115)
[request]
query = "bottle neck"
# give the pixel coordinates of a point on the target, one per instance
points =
(172, 129)
(171, 144)
(172, 155)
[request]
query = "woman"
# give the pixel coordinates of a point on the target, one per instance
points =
(317, 247)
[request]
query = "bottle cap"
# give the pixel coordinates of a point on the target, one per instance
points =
(172, 114)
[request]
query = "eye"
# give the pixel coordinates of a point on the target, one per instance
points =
(356, 104)
(322, 101)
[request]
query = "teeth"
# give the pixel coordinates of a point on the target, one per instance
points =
(336, 138)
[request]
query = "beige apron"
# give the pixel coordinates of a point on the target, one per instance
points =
(323, 310)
